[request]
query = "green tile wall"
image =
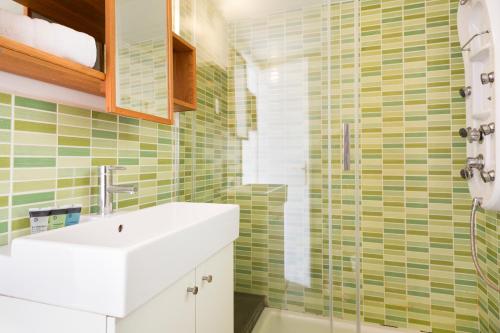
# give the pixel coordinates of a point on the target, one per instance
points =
(415, 207)
(55, 150)
(5, 158)
(416, 266)
(203, 134)
(259, 251)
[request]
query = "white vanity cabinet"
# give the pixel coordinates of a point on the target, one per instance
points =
(174, 310)
(214, 302)
(208, 308)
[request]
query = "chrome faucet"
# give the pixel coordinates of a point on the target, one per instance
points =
(107, 188)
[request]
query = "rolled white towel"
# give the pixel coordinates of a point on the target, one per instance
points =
(76, 46)
(49, 37)
(16, 27)
(45, 37)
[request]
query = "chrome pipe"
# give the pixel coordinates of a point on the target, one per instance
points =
(476, 204)
(472, 38)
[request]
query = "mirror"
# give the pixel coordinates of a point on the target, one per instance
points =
(139, 44)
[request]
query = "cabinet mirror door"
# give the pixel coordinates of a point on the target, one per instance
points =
(139, 78)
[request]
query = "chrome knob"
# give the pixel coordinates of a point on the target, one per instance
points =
(487, 129)
(475, 135)
(466, 173)
(488, 176)
(487, 78)
(476, 162)
(465, 91)
(471, 134)
(208, 278)
(193, 290)
(472, 163)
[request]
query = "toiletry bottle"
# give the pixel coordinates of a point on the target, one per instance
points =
(57, 218)
(39, 220)
(73, 215)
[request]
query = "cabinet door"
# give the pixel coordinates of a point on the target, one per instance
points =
(139, 61)
(215, 300)
(173, 311)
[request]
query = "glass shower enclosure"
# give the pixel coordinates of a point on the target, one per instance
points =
(293, 79)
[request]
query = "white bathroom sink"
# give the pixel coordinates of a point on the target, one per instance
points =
(96, 268)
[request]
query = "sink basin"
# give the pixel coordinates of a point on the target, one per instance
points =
(113, 265)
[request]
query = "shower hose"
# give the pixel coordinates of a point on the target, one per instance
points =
(476, 204)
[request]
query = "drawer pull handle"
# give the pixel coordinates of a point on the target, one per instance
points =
(208, 278)
(193, 290)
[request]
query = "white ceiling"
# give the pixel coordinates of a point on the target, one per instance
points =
(243, 9)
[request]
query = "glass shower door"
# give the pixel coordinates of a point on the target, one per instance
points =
(278, 81)
(291, 85)
(345, 177)
(345, 196)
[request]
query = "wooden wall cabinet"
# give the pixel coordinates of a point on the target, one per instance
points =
(139, 64)
(184, 57)
(100, 19)
(84, 15)
(23, 60)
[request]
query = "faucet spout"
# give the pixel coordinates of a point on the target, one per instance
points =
(130, 189)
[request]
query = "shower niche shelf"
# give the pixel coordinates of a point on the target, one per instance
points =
(478, 32)
(184, 57)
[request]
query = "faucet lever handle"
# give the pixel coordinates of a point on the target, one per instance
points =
(116, 168)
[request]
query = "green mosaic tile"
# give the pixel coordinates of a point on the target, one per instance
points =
(65, 151)
(5, 98)
(74, 111)
(35, 162)
(25, 199)
(73, 141)
(34, 127)
(103, 134)
(35, 104)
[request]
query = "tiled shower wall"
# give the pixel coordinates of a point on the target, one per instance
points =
(415, 208)
(416, 265)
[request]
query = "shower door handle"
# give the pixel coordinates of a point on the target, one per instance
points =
(347, 147)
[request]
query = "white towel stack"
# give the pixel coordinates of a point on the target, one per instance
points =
(49, 37)
(17, 27)
(44, 37)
